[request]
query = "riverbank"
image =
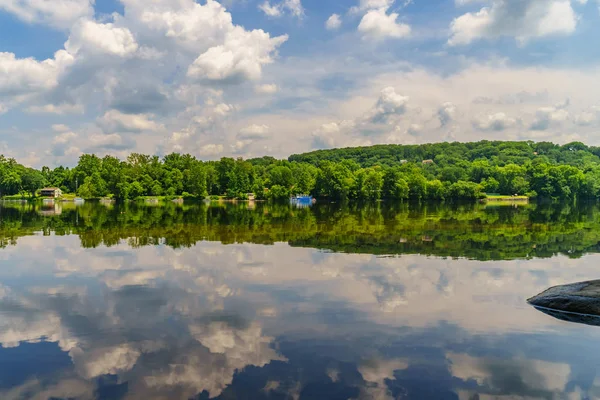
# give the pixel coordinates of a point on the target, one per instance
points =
(499, 198)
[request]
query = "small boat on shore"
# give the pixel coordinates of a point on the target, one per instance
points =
(302, 200)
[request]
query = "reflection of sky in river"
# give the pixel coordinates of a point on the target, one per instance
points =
(279, 322)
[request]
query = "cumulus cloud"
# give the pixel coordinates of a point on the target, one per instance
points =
(267, 88)
(523, 20)
(389, 109)
(334, 22)
(549, 379)
(389, 103)
(446, 113)
(60, 128)
(64, 137)
(366, 5)
(254, 132)
(62, 142)
(293, 7)
(57, 13)
(205, 131)
(58, 109)
(113, 141)
(376, 372)
(114, 121)
(545, 117)
(495, 122)
(160, 63)
(148, 64)
(248, 136)
(328, 135)
(19, 76)
(211, 149)
(271, 10)
(93, 37)
(223, 109)
(588, 117)
(241, 57)
(414, 129)
(378, 24)
(101, 361)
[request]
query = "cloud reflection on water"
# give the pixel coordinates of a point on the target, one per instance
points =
(172, 323)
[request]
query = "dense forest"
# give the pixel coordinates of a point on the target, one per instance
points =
(470, 230)
(442, 171)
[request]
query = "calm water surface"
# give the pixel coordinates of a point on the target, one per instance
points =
(256, 301)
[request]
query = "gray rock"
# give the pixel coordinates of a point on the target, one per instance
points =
(572, 317)
(579, 298)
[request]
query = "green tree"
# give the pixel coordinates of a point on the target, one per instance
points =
(436, 190)
(32, 180)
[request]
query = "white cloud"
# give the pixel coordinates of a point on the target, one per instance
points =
(545, 117)
(211, 149)
(254, 132)
(56, 13)
(64, 138)
(248, 136)
(90, 36)
(588, 117)
(194, 26)
(446, 113)
(294, 7)
(62, 143)
(102, 361)
(414, 129)
(222, 109)
(113, 121)
(27, 75)
(161, 62)
(534, 375)
(60, 128)
(267, 88)
(100, 141)
(377, 24)
(330, 134)
(333, 23)
(389, 103)
(270, 10)
(241, 57)
(521, 19)
(150, 68)
(379, 370)
(495, 122)
(59, 109)
(366, 5)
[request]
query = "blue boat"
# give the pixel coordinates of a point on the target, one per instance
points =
(302, 200)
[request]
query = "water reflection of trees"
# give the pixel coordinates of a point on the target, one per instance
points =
(472, 231)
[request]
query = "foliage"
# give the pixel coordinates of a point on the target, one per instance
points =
(460, 171)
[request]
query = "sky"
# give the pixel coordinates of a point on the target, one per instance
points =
(248, 78)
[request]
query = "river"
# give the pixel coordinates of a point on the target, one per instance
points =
(371, 301)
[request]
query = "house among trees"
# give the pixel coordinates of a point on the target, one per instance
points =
(51, 192)
(427, 162)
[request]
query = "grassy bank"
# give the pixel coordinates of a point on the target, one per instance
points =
(506, 199)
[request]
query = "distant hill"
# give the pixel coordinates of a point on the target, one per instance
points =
(497, 152)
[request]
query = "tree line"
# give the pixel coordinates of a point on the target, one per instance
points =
(442, 171)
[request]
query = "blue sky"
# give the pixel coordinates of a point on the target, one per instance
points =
(249, 78)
